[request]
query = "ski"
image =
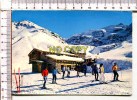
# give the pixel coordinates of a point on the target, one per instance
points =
(16, 81)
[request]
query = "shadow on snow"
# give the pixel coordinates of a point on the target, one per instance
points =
(84, 86)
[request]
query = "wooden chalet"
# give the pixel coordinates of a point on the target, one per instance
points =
(40, 59)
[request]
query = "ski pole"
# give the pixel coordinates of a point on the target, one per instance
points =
(16, 80)
(112, 76)
(19, 78)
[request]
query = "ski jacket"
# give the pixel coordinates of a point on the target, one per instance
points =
(95, 69)
(115, 68)
(85, 67)
(54, 72)
(45, 73)
(102, 69)
(63, 69)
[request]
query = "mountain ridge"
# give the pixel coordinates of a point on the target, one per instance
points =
(107, 35)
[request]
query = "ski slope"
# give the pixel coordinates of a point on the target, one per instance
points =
(33, 82)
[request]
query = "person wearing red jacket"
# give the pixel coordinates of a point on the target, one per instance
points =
(45, 73)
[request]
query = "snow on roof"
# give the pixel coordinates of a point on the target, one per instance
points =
(65, 53)
(65, 58)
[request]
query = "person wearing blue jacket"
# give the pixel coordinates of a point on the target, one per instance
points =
(54, 73)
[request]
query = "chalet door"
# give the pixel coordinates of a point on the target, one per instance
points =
(34, 67)
(43, 66)
(62, 66)
(50, 67)
(39, 67)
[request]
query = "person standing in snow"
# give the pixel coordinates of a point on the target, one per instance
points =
(54, 74)
(85, 69)
(68, 70)
(63, 71)
(77, 69)
(115, 69)
(45, 73)
(102, 77)
(95, 69)
(92, 65)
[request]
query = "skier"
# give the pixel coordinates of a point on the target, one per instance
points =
(68, 70)
(78, 69)
(63, 71)
(102, 77)
(85, 69)
(45, 75)
(54, 73)
(92, 65)
(95, 69)
(115, 69)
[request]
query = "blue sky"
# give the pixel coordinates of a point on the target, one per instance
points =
(68, 23)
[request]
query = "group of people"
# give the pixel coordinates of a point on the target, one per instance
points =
(64, 69)
(101, 70)
(96, 71)
(45, 73)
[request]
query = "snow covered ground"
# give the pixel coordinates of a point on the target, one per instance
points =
(32, 83)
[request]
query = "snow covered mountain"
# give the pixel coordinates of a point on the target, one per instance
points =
(107, 35)
(26, 36)
(26, 29)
